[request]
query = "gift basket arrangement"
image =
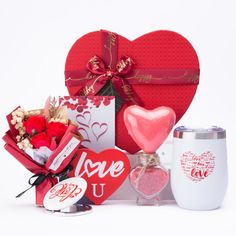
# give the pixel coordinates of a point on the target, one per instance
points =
(125, 97)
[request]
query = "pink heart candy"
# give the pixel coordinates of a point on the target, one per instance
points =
(149, 128)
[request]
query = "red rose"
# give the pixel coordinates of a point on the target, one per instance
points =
(56, 130)
(35, 124)
(40, 140)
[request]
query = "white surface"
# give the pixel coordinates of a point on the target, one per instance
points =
(35, 39)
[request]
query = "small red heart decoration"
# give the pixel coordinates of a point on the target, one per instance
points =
(104, 172)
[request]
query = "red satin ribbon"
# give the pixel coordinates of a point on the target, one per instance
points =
(100, 74)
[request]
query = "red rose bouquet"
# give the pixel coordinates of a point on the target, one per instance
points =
(44, 141)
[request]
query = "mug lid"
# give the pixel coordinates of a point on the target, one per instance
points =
(213, 132)
(65, 194)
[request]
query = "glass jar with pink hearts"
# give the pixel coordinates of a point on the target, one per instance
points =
(199, 173)
(148, 179)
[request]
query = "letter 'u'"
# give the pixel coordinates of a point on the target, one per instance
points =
(95, 191)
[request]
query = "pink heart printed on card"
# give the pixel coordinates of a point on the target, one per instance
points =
(99, 129)
(84, 118)
(197, 167)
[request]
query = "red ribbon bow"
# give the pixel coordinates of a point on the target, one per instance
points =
(100, 74)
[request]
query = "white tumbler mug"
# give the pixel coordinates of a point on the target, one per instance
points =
(199, 173)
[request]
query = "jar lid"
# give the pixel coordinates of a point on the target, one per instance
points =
(212, 132)
(62, 197)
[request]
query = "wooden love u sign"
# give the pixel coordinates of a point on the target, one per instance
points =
(104, 172)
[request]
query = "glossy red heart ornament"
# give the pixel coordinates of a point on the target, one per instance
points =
(162, 50)
(104, 172)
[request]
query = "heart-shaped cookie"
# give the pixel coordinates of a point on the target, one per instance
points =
(161, 50)
(197, 167)
(104, 172)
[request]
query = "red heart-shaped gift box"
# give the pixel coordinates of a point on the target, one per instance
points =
(165, 72)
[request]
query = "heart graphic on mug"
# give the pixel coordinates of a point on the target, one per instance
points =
(197, 167)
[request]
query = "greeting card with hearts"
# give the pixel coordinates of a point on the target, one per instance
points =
(95, 117)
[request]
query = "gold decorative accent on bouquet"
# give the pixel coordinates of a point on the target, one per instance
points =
(60, 115)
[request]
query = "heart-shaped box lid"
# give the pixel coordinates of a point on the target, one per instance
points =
(165, 71)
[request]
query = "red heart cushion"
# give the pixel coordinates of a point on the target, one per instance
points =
(159, 49)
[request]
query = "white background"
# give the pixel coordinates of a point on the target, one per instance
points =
(35, 37)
